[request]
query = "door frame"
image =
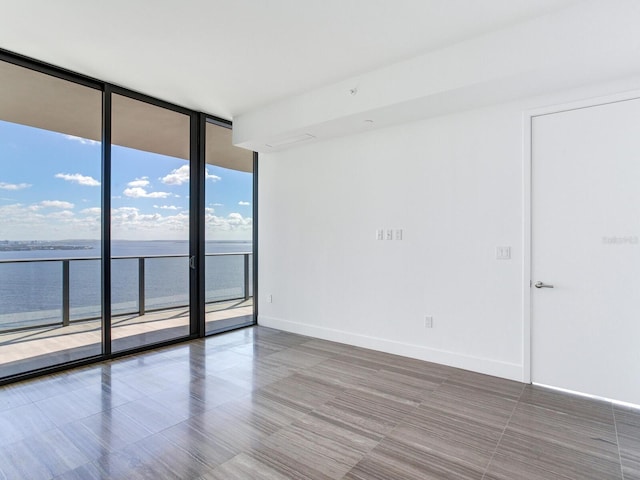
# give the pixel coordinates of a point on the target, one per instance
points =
(527, 205)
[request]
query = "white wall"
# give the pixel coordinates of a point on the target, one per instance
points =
(454, 184)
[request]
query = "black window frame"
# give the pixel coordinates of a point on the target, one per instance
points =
(197, 136)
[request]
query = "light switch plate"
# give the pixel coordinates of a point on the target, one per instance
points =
(389, 234)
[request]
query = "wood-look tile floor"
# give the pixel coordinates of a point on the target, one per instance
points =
(263, 404)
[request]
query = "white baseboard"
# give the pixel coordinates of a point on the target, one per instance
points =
(487, 366)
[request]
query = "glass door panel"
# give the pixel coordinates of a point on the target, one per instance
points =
(228, 232)
(50, 197)
(149, 224)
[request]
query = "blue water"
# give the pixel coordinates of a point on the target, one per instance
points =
(31, 292)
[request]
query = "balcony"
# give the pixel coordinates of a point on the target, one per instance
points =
(50, 312)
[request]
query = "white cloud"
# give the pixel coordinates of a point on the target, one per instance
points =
(19, 221)
(23, 222)
(139, 192)
(217, 204)
(17, 217)
(238, 220)
(63, 215)
(130, 222)
(180, 176)
(166, 207)
(131, 216)
(83, 141)
(244, 204)
(55, 204)
(79, 179)
(234, 222)
(177, 176)
(13, 186)
(92, 211)
(209, 176)
(139, 182)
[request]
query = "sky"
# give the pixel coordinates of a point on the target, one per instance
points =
(50, 189)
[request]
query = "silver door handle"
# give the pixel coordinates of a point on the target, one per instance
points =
(542, 285)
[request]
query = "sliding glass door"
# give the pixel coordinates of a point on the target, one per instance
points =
(228, 231)
(150, 180)
(50, 196)
(125, 221)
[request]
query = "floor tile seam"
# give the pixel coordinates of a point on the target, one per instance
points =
(279, 426)
(401, 420)
(368, 452)
(545, 468)
(504, 429)
(448, 382)
(144, 455)
(581, 447)
(275, 464)
(443, 455)
(354, 452)
(46, 415)
(42, 463)
(132, 418)
(172, 442)
(532, 403)
(615, 424)
(358, 382)
(99, 438)
(24, 438)
(555, 473)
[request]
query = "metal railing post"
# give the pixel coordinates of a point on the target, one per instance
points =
(65, 293)
(246, 276)
(141, 306)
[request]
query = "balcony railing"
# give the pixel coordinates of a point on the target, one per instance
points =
(136, 288)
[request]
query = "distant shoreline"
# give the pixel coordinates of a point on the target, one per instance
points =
(36, 247)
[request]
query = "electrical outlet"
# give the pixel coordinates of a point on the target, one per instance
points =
(269, 298)
(428, 321)
(399, 234)
(380, 234)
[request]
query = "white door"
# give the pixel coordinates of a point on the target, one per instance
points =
(585, 331)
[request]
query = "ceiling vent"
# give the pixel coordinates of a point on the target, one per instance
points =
(291, 140)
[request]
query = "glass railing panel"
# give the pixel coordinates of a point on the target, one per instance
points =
(31, 294)
(250, 275)
(124, 286)
(224, 277)
(166, 282)
(84, 290)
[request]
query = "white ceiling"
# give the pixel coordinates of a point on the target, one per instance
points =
(227, 57)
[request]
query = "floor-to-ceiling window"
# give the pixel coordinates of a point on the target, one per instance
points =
(125, 221)
(50, 198)
(150, 198)
(228, 231)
